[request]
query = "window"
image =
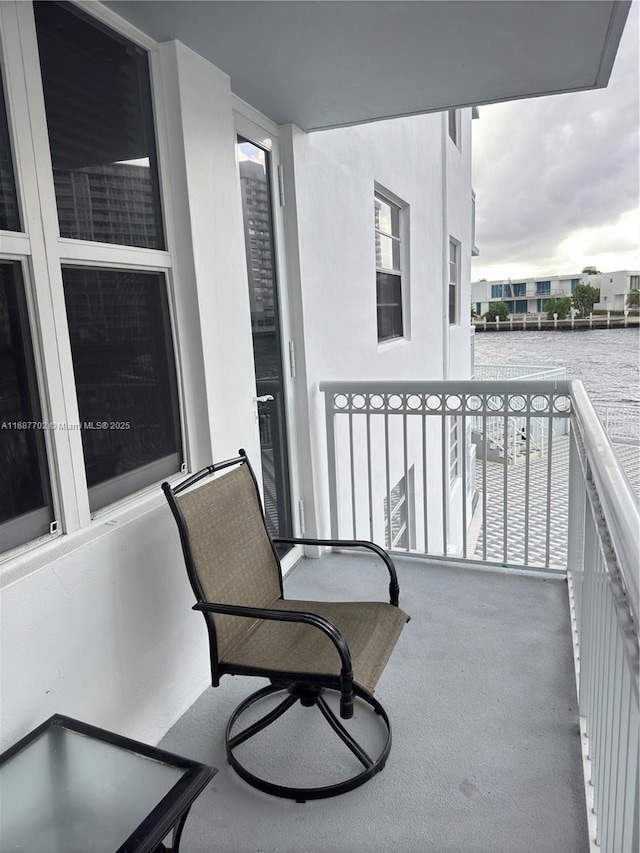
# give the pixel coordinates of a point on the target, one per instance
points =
(634, 282)
(454, 278)
(454, 449)
(97, 96)
(541, 305)
(496, 291)
(520, 289)
(399, 523)
(509, 304)
(121, 376)
(9, 219)
(453, 117)
(574, 283)
(125, 379)
(389, 274)
(25, 501)
(543, 287)
(521, 306)
(478, 308)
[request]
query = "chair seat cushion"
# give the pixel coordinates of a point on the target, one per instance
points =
(370, 629)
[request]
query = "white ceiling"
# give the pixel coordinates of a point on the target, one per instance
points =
(329, 63)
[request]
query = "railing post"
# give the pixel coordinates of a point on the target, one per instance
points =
(331, 463)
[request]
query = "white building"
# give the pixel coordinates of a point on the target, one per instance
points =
(530, 295)
(139, 353)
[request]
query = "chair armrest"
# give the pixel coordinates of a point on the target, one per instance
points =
(324, 625)
(394, 589)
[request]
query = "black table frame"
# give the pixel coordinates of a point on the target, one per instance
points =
(172, 810)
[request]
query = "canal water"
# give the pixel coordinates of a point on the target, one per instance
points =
(606, 360)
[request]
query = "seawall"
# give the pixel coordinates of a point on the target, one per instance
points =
(539, 324)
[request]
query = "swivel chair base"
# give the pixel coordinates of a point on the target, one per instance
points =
(309, 696)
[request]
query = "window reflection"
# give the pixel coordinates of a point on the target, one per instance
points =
(125, 376)
(9, 219)
(254, 165)
(98, 100)
(260, 262)
(23, 468)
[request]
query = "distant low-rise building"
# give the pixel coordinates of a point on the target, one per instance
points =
(530, 295)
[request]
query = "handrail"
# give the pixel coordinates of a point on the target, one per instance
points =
(453, 386)
(620, 504)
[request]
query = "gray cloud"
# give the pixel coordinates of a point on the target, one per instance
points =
(545, 169)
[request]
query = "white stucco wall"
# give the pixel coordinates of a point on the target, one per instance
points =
(332, 177)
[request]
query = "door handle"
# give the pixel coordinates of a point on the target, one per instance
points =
(266, 398)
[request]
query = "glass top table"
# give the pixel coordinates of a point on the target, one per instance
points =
(68, 787)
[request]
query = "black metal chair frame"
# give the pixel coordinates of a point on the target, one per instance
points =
(303, 687)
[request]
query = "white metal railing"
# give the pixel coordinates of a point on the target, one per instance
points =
(572, 510)
(511, 442)
(518, 371)
(604, 525)
(380, 434)
(622, 423)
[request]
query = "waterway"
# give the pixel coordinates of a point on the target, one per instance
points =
(606, 360)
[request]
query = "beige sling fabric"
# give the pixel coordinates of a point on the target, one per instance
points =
(235, 564)
(370, 629)
(231, 550)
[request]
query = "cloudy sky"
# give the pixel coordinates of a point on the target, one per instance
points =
(557, 178)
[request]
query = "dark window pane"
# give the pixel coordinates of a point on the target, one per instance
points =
(453, 126)
(389, 303)
(254, 166)
(452, 305)
(125, 378)
(24, 491)
(98, 99)
(9, 218)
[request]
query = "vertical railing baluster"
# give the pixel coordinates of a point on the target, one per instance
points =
(485, 445)
(527, 480)
(445, 477)
(330, 417)
(597, 728)
(547, 548)
(369, 467)
(352, 470)
(590, 566)
(505, 481)
(614, 745)
(425, 500)
(387, 468)
(407, 496)
(630, 800)
(609, 627)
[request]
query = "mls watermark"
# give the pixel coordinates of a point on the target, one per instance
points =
(52, 425)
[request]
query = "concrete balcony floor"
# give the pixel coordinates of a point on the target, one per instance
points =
(481, 695)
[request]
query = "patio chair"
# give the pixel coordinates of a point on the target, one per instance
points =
(304, 648)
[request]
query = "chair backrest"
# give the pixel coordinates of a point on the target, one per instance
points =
(228, 551)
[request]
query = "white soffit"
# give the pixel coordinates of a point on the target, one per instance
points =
(329, 63)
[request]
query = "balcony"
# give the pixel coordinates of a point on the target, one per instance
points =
(482, 700)
(513, 693)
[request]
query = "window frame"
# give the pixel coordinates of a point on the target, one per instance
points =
(402, 239)
(34, 524)
(43, 254)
